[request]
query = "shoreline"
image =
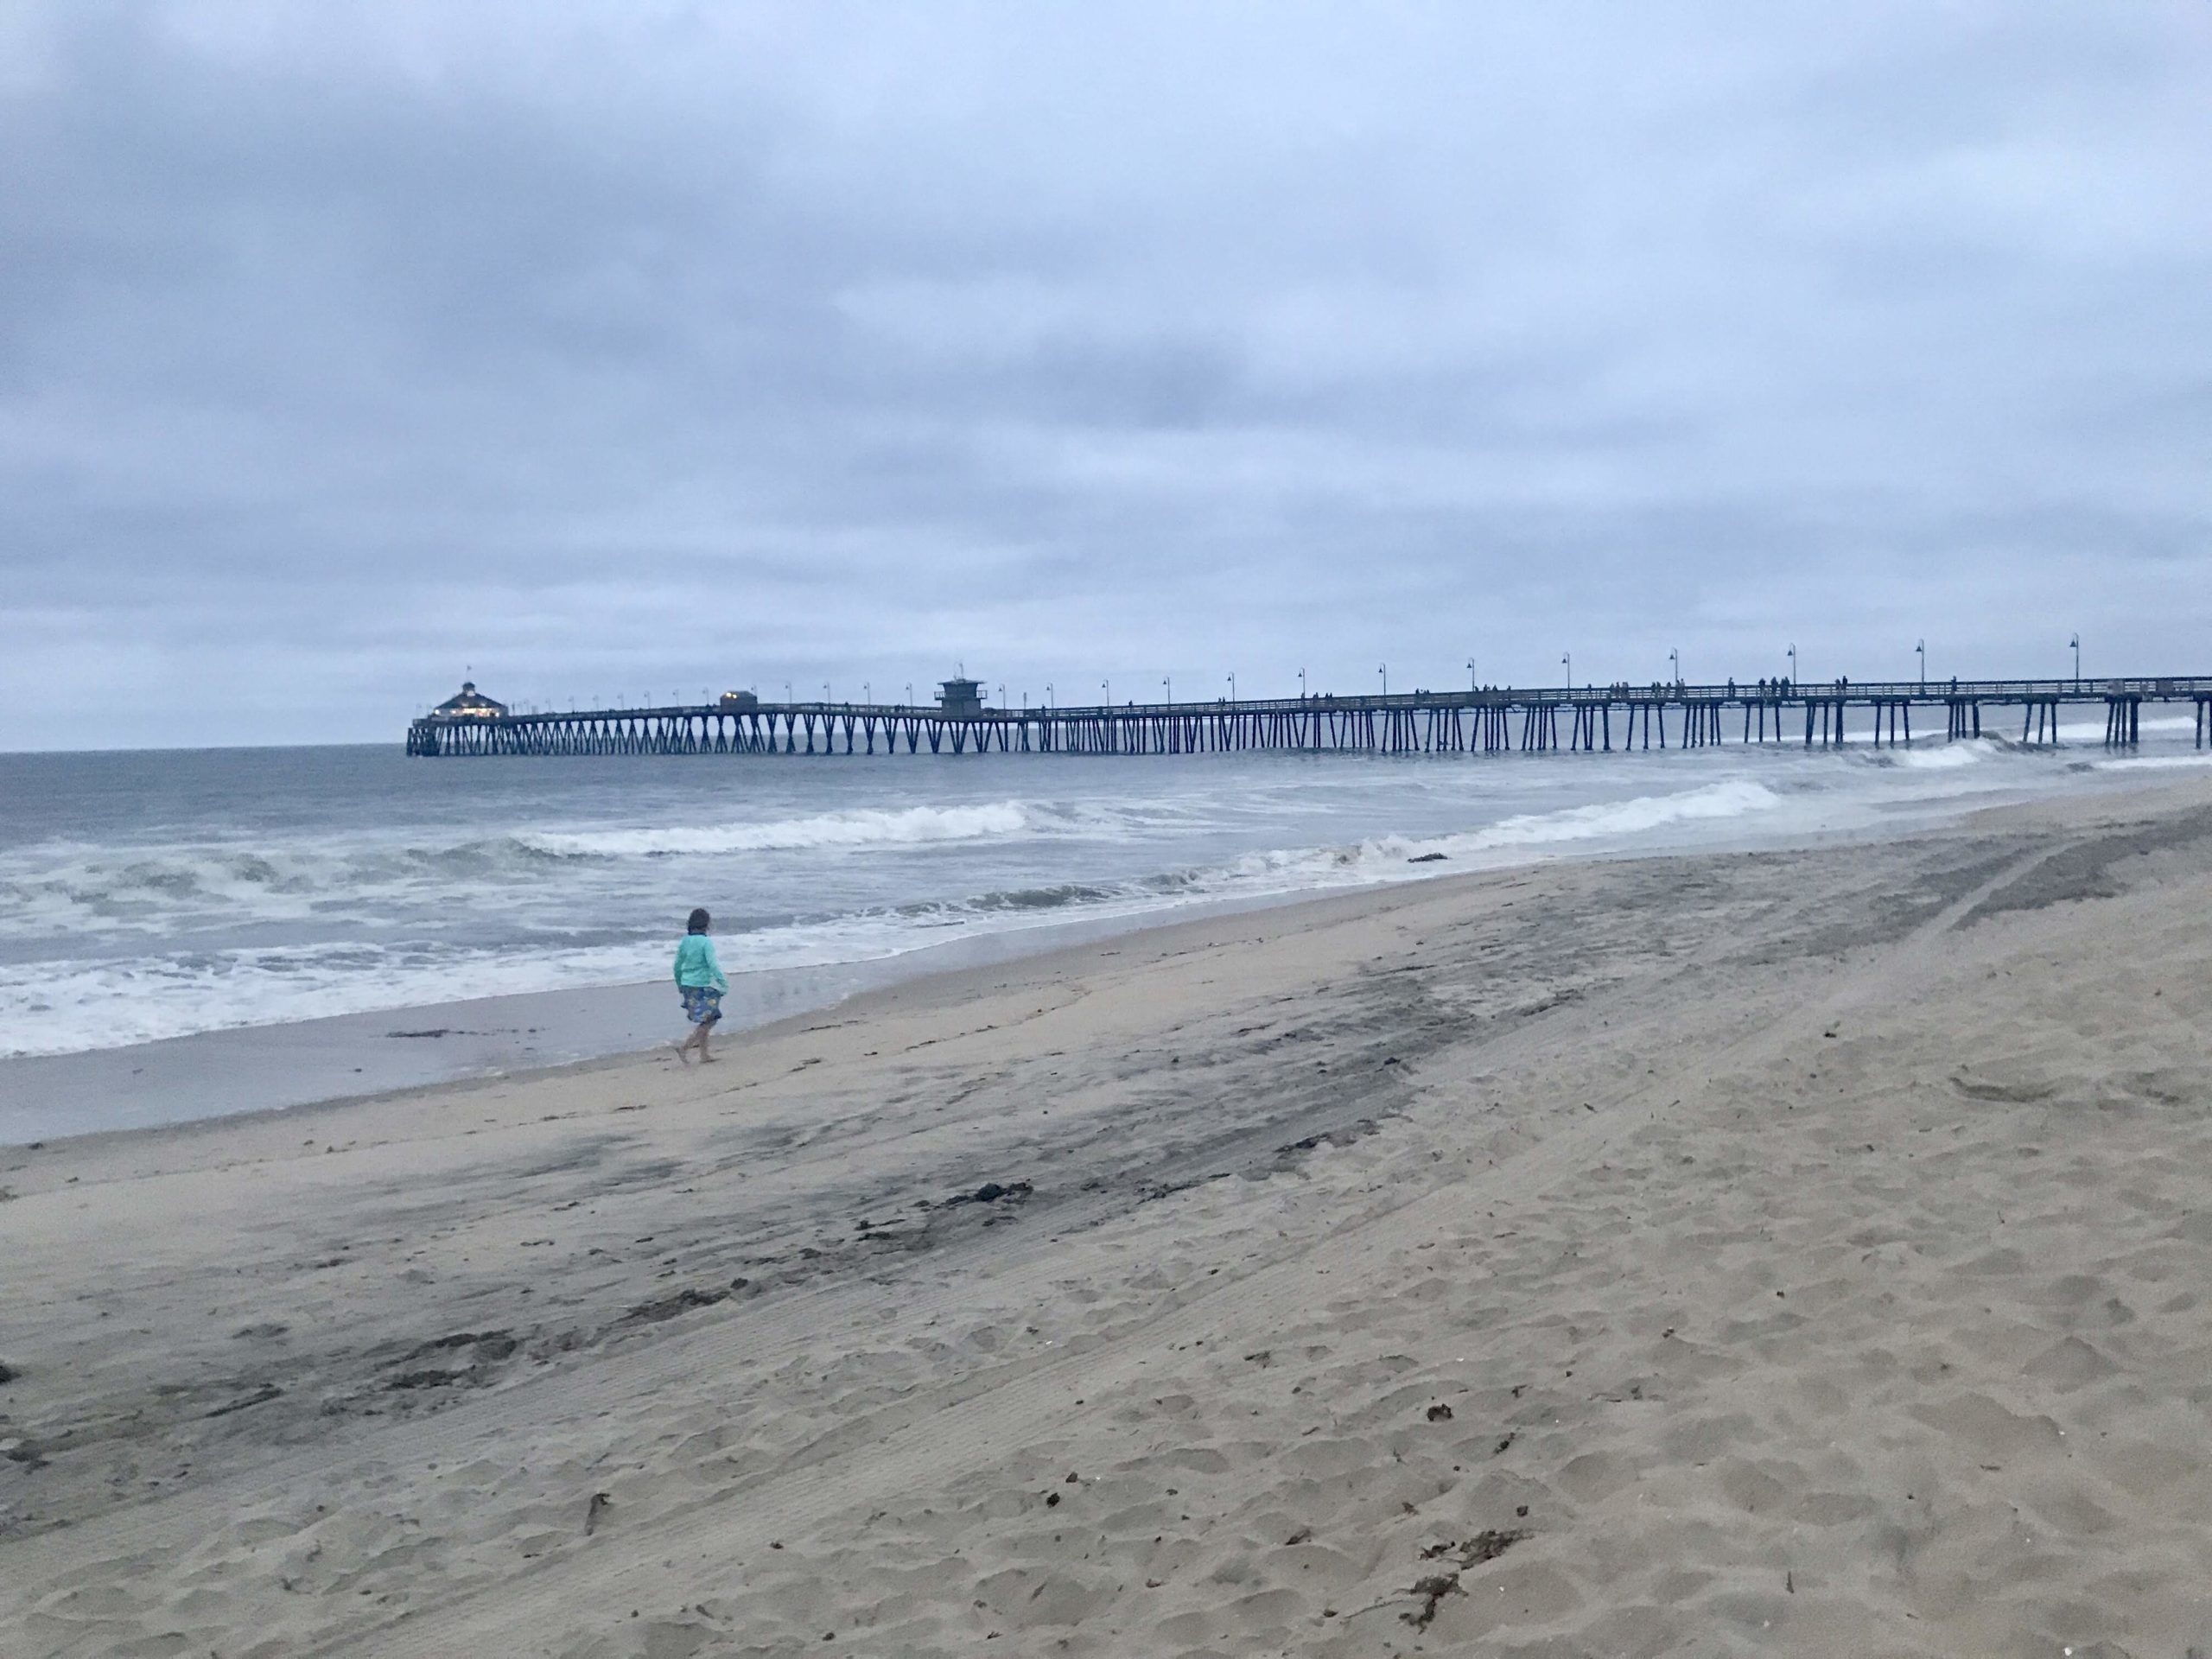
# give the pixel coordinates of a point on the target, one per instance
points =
(1748, 1240)
(301, 1065)
(337, 1059)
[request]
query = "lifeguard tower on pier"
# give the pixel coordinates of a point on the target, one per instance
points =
(960, 699)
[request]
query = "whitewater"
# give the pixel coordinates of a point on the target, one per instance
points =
(151, 896)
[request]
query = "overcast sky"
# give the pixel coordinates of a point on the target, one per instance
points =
(631, 349)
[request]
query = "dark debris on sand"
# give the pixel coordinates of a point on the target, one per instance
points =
(993, 1193)
(1431, 1591)
(1486, 1546)
(489, 1349)
(667, 1307)
(259, 1396)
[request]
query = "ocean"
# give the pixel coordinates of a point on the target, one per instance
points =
(153, 896)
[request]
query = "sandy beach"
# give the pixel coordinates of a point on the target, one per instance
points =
(1787, 1252)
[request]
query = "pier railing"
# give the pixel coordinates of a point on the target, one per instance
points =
(1484, 720)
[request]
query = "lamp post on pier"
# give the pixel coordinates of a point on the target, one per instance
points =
(1384, 670)
(1921, 650)
(1048, 693)
(1675, 659)
(2076, 642)
(1167, 686)
(1302, 685)
(1106, 691)
(910, 693)
(1793, 664)
(1566, 662)
(1471, 676)
(1232, 685)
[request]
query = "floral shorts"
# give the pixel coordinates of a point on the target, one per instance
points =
(702, 1004)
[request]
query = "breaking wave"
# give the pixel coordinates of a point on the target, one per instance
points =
(866, 827)
(1645, 813)
(2156, 762)
(213, 918)
(1946, 757)
(109, 890)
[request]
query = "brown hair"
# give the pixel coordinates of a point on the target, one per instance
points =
(700, 922)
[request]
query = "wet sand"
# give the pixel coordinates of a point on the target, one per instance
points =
(347, 1057)
(1782, 1252)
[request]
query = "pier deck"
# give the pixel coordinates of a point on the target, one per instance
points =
(1590, 719)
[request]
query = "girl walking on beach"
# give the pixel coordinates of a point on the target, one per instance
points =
(699, 981)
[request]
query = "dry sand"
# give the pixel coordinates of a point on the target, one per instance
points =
(1786, 1253)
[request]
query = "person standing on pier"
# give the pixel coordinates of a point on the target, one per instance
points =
(699, 981)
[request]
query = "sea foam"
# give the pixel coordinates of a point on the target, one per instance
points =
(864, 826)
(286, 888)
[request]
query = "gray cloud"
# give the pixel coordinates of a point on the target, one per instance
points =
(627, 349)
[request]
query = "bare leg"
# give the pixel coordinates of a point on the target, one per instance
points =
(705, 1059)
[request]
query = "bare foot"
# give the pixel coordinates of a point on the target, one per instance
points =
(709, 1059)
(683, 1052)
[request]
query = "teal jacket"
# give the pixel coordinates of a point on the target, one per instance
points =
(695, 965)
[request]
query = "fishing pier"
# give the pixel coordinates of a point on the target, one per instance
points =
(1587, 719)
